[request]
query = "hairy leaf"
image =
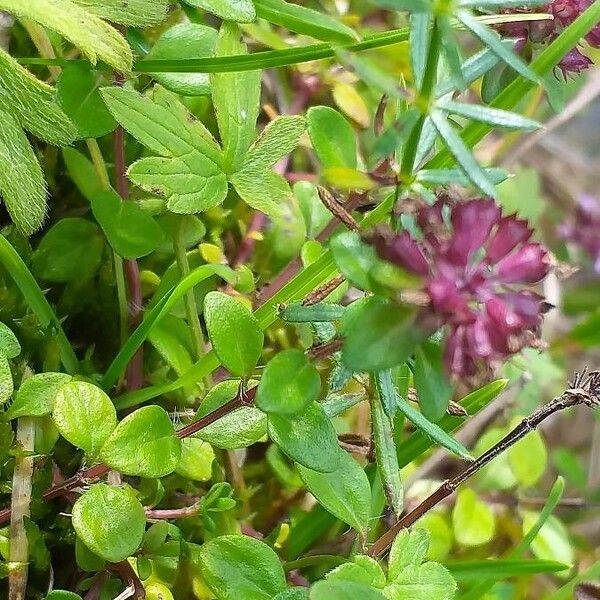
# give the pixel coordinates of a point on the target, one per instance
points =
(137, 13)
(242, 11)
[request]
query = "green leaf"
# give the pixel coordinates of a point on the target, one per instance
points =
(78, 94)
(144, 443)
(345, 492)
(196, 459)
(386, 390)
(434, 389)
(110, 521)
(289, 384)
(262, 190)
(237, 566)
(353, 258)
(448, 176)
(238, 429)
(130, 231)
(332, 137)
(35, 397)
(493, 41)
(188, 170)
(502, 569)
(71, 250)
(419, 45)
(62, 595)
(95, 38)
(343, 590)
(429, 581)
(304, 20)
(236, 98)
(528, 457)
(408, 551)
(381, 335)
(552, 541)
(462, 154)
(473, 519)
(184, 40)
(37, 302)
(386, 456)
(32, 103)
(320, 313)
(22, 184)
(9, 344)
(84, 415)
(485, 114)
(362, 569)
(432, 430)
(296, 593)
(234, 332)
(242, 11)
(308, 438)
(451, 51)
(86, 559)
(6, 379)
(137, 13)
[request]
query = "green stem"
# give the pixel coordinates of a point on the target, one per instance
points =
(191, 310)
(102, 173)
(425, 96)
(20, 502)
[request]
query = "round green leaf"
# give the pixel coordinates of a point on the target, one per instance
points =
(237, 566)
(144, 443)
(110, 521)
(196, 459)
(35, 397)
(344, 590)
(308, 438)
(77, 93)
(70, 251)
(62, 595)
(473, 519)
(6, 379)
(332, 137)
(528, 457)
(235, 333)
(290, 382)
(182, 41)
(9, 344)
(345, 492)
(429, 581)
(84, 415)
(240, 428)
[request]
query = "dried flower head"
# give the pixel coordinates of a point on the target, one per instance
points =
(477, 266)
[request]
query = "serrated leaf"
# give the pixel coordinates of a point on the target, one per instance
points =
(432, 430)
(22, 184)
(236, 99)
(362, 569)
(463, 155)
(6, 379)
(35, 397)
(332, 137)
(84, 415)
(238, 566)
(95, 38)
(184, 40)
(32, 103)
(486, 114)
(78, 94)
(493, 41)
(188, 170)
(343, 590)
(386, 456)
(409, 549)
(307, 438)
(429, 581)
(136, 13)
(110, 521)
(242, 11)
(345, 492)
(143, 444)
(9, 344)
(304, 20)
(234, 332)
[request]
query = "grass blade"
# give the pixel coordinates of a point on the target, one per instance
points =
(502, 568)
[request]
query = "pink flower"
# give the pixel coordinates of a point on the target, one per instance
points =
(476, 266)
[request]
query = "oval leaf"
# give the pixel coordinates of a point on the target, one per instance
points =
(84, 415)
(290, 382)
(6, 379)
(35, 397)
(110, 521)
(234, 332)
(143, 444)
(9, 344)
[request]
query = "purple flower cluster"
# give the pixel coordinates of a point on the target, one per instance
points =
(583, 229)
(564, 13)
(476, 266)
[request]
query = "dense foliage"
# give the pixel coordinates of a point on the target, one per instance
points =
(259, 262)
